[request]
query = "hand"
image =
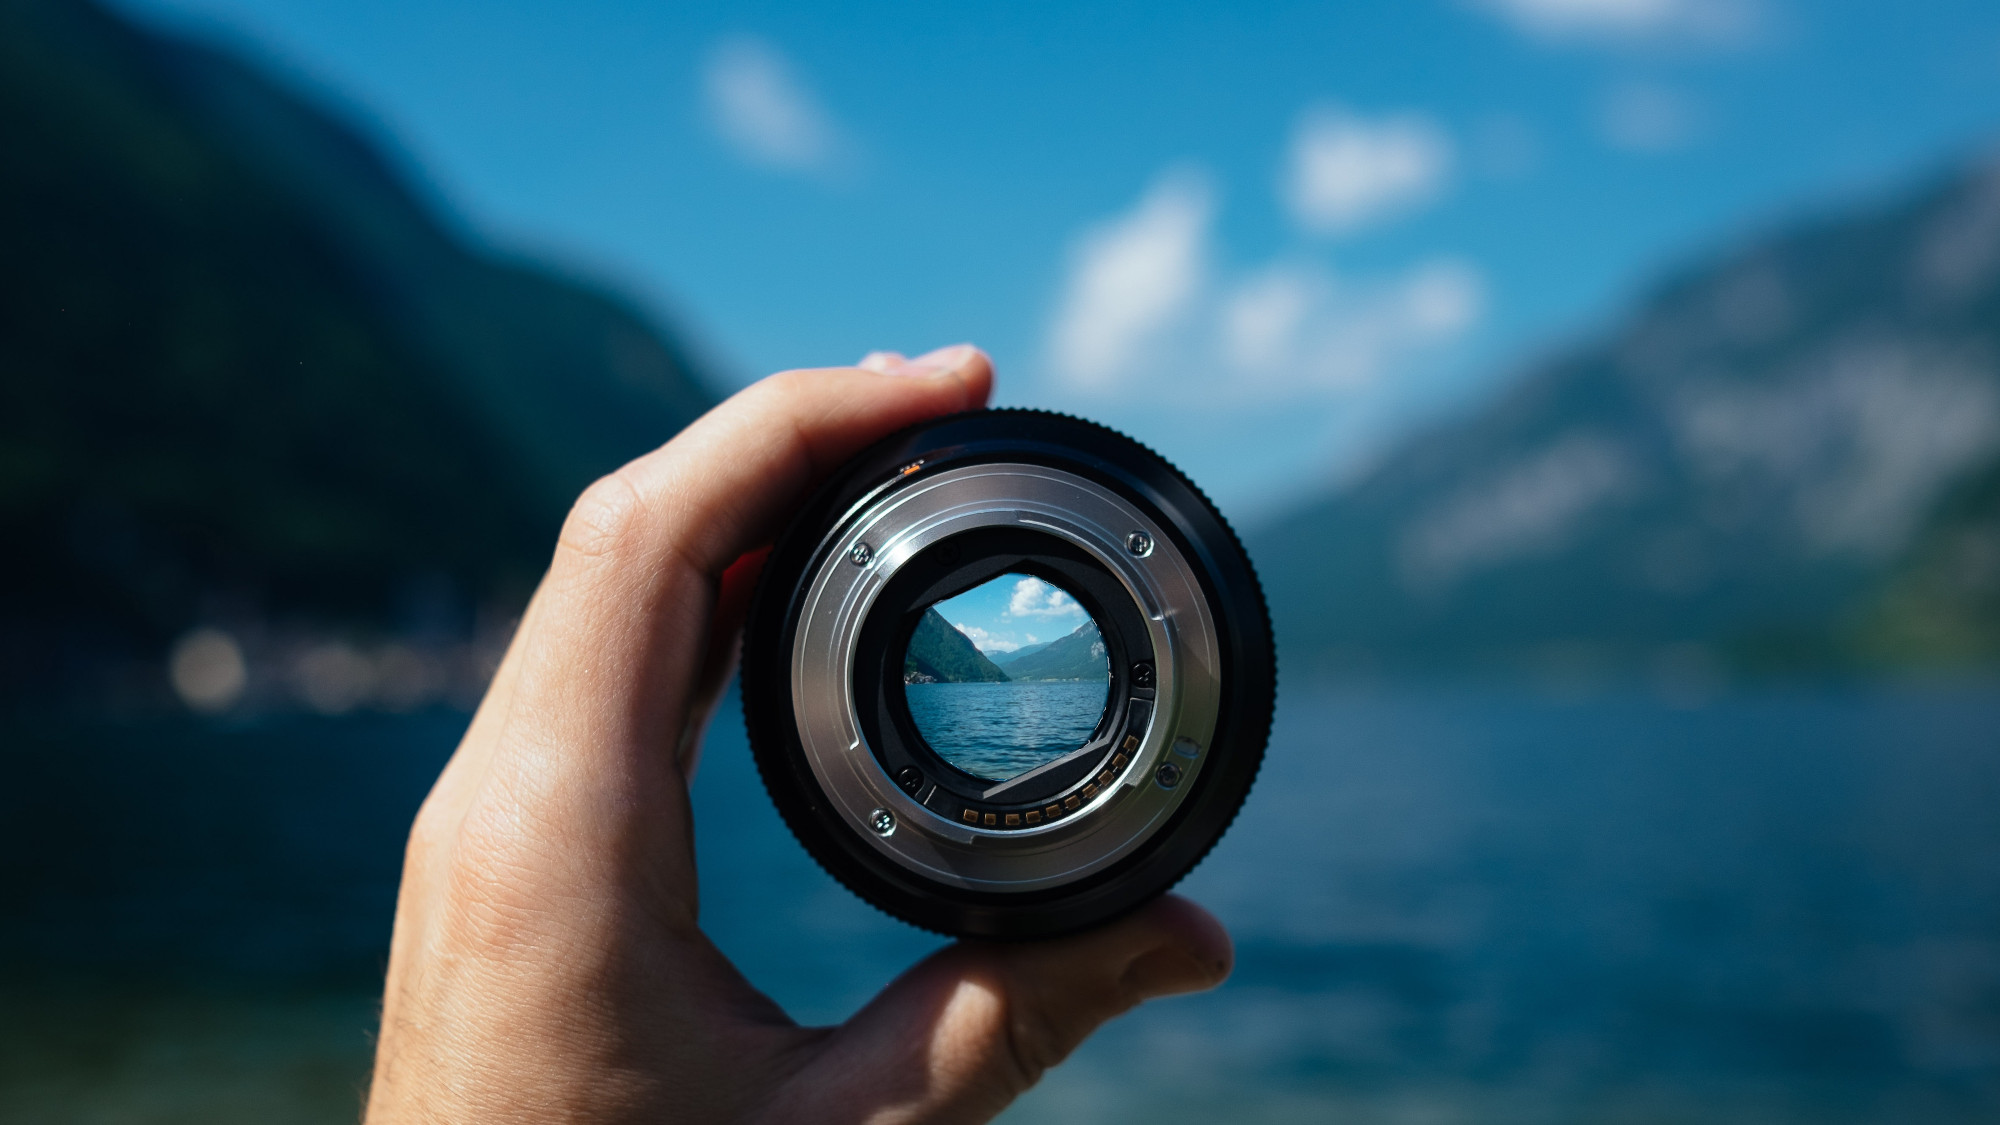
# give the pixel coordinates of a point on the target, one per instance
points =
(547, 964)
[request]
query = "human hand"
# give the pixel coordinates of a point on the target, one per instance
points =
(547, 964)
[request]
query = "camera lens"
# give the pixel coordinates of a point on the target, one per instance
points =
(1008, 674)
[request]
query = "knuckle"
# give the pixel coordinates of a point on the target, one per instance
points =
(428, 836)
(1037, 1041)
(429, 846)
(788, 391)
(1041, 1035)
(604, 518)
(487, 861)
(500, 895)
(790, 382)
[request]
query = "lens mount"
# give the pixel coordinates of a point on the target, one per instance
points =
(938, 510)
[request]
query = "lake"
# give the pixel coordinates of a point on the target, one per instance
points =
(998, 731)
(1449, 906)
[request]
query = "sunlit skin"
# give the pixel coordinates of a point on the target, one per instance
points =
(548, 962)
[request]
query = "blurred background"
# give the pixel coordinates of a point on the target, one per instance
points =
(1608, 390)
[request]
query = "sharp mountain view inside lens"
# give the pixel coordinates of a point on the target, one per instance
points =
(1006, 676)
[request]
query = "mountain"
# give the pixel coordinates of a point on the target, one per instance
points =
(939, 653)
(251, 371)
(1785, 458)
(1078, 656)
(1005, 658)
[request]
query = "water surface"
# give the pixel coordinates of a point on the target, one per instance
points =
(1448, 907)
(1003, 730)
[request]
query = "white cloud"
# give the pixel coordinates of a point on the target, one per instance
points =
(1261, 320)
(1036, 598)
(1292, 331)
(1130, 278)
(1347, 171)
(1646, 117)
(1274, 368)
(1145, 298)
(985, 641)
(759, 105)
(1628, 20)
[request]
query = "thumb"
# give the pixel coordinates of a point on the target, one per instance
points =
(969, 1029)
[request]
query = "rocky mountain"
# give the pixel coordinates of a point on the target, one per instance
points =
(940, 654)
(1787, 457)
(250, 371)
(1076, 656)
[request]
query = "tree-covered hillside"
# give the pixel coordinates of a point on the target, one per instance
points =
(250, 372)
(1078, 655)
(1787, 458)
(941, 654)
(1005, 658)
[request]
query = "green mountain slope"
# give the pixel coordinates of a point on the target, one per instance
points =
(1078, 656)
(1005, 658)
(1784, 458)
(1942, 603)
(249, 370)
(939, 653)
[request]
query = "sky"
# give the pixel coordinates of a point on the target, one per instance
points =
(1268, 240)
(1013, 611)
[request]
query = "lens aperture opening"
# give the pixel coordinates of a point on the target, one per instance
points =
(1007, 676)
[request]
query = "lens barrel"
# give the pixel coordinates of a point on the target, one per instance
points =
(1181, 629)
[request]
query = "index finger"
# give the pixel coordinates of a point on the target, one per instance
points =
(620, 620)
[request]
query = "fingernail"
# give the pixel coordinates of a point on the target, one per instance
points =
(941, 361)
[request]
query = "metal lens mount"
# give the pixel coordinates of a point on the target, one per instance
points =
(938, 510)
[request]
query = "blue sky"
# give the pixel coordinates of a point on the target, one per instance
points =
(1265, 239)
(1013, 611)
